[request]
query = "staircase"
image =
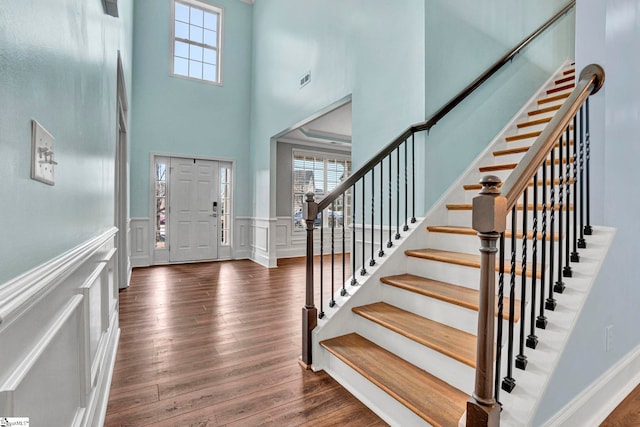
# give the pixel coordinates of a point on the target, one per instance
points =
(405, 343)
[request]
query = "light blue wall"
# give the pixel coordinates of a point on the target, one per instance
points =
(178, 116)
(464, 38)
(607, 33)
(58, 62)
(372, 49)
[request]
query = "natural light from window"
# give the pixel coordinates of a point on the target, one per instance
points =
(196, 41)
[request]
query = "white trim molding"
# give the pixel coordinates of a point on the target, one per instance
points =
(19, 294)
(140, 244)
(596, 402)
(262, 241)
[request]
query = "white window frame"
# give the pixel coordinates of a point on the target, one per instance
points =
(207, 7)
(326, 157)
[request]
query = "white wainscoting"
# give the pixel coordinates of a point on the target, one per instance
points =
(293, 243)
(59, 332)
(140, 243)
(242, 237)
(262, 243)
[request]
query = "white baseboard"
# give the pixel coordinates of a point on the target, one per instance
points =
(597, 401)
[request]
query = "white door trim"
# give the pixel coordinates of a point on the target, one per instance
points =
(160, 256)
(121, 184)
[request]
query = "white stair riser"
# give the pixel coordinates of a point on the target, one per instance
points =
(446, 313)
(462, 218)
(447, 369)
(385, 406)
(470, 244)
(456, 274)
(440, 311)
(470, 194)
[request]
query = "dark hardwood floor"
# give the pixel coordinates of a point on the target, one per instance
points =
(215, 344)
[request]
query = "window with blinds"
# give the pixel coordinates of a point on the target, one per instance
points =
(320, 173)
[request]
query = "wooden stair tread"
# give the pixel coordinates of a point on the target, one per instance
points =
(447, 292)
(564, 80)
(519, 206)
(501, 167)
(560, 88)
(569, 71)
(463, 259)
(544, 110)
(521, 136)
(432, 399)
(524, 149)
(471, 187)
(468, 231)
(533, 122)
(509, 166)
(554, 98)
(452, 342)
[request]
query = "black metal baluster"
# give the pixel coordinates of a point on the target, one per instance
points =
(550, 303)
(566, 271)
(381, 251)
(496, 386)
(372, 261)
(559, 285)
(587, 228)
(575, 256)
(532, 338)
(343, 292)
(508, 382)
(582, 244)
(363, 270)
(413, 177)
(321, 315)
(397, 193)
(405, 227)
(541, 320)
(521, 359)
(332, 301)
(353, 236)
(390, 242)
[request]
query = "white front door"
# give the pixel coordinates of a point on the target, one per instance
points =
(193, 210)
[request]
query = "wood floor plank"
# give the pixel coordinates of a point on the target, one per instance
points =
(215, 341)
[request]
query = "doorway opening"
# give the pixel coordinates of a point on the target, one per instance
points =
(191, 207)
(315, 156)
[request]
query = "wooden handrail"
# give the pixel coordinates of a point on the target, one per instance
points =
(443, 111)
(490, 209)
(590, 80)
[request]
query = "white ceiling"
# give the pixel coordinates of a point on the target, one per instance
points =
(332, 128)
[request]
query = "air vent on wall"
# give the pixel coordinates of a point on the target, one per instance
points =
(304, 80)
(111, 7)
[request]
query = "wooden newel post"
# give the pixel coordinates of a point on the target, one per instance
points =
(489, 220)
(309, 311)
